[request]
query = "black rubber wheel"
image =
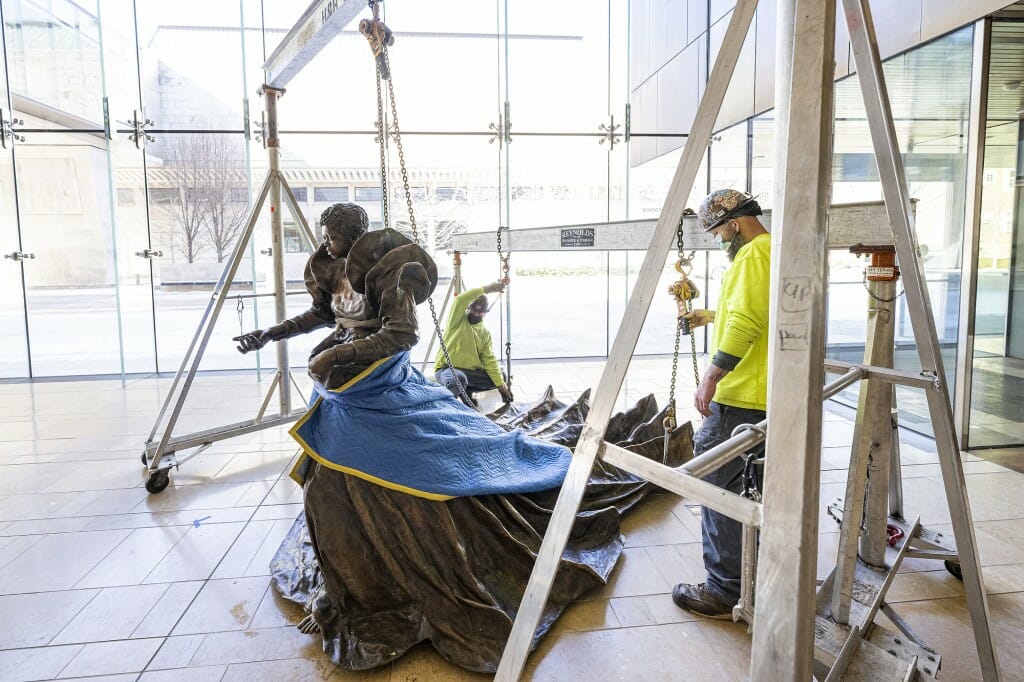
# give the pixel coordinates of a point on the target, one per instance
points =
(145, 460)
(158, 481)
(954, 569)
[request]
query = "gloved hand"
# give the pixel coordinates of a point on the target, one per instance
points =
(506, 393)
(698, 317)
(322, 363)
(254, 340)
(495, 287)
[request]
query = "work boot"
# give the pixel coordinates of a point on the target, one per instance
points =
(698, 599)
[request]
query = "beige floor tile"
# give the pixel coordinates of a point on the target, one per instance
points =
(176, 652)
(43, 663)
(1003, 579)
(35, 619)
(16, 545)
(211, 673)
(260, 564)
(275, 611)
(255, 466)
(654, 653)
(114, 613)
(135, 558)
(596, 614)
(111, 658)
(206, 496)
(664, 610)
(236, 562)
(653, 523)
(632, 612)
(165, 614)
(916, 586)
(197, 553)
(245, 646)
(298, 670)
(278, 511)
(223, 605)
(58, 562)
(634, 574)
(420, 664)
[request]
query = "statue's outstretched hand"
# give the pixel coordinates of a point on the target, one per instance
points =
(254, 340)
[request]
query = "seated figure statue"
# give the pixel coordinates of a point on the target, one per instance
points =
(422, 518)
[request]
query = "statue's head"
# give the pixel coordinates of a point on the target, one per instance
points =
(342, 225)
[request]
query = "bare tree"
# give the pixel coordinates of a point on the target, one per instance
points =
(438, 210)
(224, 194)
(209, 199)
(184, 165)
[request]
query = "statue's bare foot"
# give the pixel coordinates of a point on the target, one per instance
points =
(308, 625)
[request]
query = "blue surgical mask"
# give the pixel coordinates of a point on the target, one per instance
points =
(724, 246)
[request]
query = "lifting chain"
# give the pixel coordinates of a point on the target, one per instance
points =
(380, 37)
(683, 291)
(504, 257)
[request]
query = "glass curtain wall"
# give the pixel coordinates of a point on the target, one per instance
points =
(997, 413)
(930, 91)
(143, 151)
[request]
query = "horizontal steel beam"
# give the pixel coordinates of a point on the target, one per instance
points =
(678, 481)
(193, 440)
(863, 223)
(318, 25)
(893, 376)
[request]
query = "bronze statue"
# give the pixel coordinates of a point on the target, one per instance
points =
(382, 559)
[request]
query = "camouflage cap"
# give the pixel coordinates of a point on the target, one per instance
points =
(719, 206)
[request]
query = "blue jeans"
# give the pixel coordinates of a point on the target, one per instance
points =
(722, 536)
(473, 380)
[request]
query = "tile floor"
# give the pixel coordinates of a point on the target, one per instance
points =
(100, 580)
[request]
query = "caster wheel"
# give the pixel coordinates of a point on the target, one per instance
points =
(145, 461)
(954, 569)
(158, 481)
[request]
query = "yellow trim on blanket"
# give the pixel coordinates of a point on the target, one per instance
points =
(294, 473)
(309, 451)
(359, 377)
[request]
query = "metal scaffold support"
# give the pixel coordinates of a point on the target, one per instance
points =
(801, 630)
(160, 454)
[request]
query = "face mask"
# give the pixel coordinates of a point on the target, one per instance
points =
(724, 246)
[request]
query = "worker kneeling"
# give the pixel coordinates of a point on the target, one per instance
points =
(468, 341)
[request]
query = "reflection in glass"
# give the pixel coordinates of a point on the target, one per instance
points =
(997, 413)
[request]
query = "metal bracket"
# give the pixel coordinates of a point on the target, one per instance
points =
(503, 128)
(19, 256)
(259, 128)
(137, 133)
(610, 136)
(7, 130)
(149, 253)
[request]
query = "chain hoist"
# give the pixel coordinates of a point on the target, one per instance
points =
(380, 38)
(683, 290)
(503, 258)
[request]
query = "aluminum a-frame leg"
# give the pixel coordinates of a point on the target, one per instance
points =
(591, 439)
(897, 201)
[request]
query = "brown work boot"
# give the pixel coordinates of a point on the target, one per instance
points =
(698, 599)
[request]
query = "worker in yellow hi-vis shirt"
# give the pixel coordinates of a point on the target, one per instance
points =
(734, 388)
(469, 347)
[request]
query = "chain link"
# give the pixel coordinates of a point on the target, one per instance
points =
(408, 202)
(381, 138)
(684, 291)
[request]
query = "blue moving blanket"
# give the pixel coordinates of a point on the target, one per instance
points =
(392, 426)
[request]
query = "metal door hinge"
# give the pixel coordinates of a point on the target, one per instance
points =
(7, 131)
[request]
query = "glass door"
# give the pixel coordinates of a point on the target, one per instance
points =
(13, 339)
(61, 174)
(997, 413)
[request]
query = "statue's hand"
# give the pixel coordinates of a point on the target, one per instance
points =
(254, 340)
(321, 364)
